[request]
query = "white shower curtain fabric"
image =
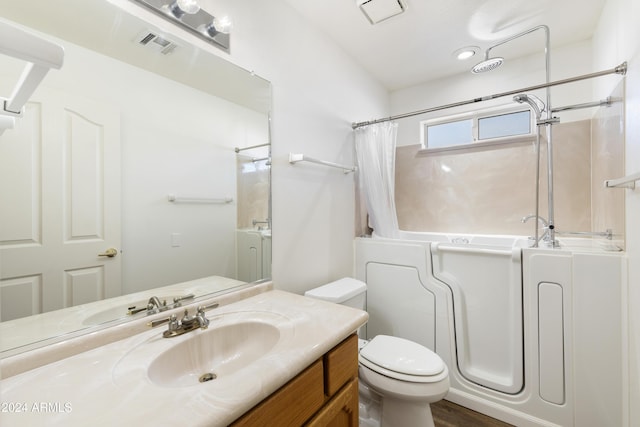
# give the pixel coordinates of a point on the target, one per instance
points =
(376, 152)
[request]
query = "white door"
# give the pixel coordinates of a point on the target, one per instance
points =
(59, 206)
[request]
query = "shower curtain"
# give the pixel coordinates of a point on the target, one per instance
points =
(376, 155)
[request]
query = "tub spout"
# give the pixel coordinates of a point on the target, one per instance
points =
(547, 235)
(541, 220)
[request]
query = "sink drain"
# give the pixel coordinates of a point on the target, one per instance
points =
(207, 377)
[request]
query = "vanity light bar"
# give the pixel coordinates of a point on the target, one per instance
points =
(199, 23)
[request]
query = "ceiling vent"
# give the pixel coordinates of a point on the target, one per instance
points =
(381, 10)
(153, 41)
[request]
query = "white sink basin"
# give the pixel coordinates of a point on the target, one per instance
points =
(213, 354)
(219, 354)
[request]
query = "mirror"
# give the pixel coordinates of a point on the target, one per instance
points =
(130, 146)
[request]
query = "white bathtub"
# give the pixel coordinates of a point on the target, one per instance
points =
(517, 326)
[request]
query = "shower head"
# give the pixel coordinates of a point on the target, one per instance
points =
(536, 104)
(488, 64)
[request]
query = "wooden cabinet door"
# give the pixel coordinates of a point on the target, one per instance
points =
(341, 410)
(290, 406)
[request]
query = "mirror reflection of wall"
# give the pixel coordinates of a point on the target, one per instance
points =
(253, 174)
(254, 213)
(173, 139)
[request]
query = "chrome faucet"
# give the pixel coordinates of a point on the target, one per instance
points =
(267, 223)
(548, 230)
(154, 305)
(186, 323)
(155, 302)
(541, 220)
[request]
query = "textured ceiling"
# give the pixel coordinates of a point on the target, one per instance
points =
(418, 45)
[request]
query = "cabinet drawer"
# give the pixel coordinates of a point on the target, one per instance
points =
(341, 365)
(292, 404)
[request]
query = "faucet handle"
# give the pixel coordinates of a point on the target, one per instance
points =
(177, 301)
(202, 317)
(203, 308)
(172, 320)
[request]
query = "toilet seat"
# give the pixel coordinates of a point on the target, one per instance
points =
(402, 359)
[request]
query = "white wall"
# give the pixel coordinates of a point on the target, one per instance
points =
(318, 91)
(618, 40)
(184, 145)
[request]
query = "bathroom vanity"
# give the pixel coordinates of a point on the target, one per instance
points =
(326, 393)
(274, 358)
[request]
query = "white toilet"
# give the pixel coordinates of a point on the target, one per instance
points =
(398, 378)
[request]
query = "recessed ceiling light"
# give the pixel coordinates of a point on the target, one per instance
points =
(466, 52)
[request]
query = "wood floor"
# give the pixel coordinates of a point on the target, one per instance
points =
(447, 414)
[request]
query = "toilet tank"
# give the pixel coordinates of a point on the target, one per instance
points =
(346, 291)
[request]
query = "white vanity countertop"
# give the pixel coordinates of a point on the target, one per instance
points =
(110, 386)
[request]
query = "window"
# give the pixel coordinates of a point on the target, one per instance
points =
(488, 127)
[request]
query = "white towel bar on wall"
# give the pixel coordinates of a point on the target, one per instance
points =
(295, 158)
(628, 181)
(175, 199)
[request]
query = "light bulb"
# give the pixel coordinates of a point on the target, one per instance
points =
(179, 7)
(465, 54)
(188, 6)
(218, 26)
(223, 25)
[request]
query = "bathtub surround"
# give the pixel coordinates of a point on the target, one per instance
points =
(608, 158)
(488, 191)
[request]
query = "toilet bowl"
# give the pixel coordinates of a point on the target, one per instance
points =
(407, 378)
(399, 378)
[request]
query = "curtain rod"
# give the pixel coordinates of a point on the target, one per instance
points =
(620, 69)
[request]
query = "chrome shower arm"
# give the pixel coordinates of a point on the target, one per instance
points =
(517, 36)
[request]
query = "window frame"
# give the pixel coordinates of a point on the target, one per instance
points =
(476, 116)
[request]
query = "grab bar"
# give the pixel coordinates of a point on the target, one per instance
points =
(295, 158)
(608, 233)
(260, 159)
(237, 150)
(175, 199)
(628, 181)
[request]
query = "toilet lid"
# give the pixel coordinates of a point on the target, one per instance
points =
(402, 356)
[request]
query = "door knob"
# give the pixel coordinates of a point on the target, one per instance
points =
(111, 252)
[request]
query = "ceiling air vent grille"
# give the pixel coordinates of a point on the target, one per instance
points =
(155, 42)
(380, 10)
